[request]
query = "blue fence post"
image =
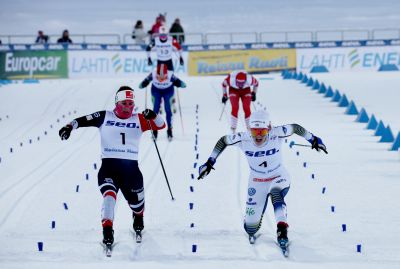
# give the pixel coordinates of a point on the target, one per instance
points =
(316, 85)
(319, 69)
(343, 102)
(322, 89)
(387, 136)
(40, 246)
(373, 123)
(362, 116)
(300, 76)
(310, 82)
(336, 97)
(388, 67)
(396, 144)
(352, 109)
(380, 130)
(329, 93)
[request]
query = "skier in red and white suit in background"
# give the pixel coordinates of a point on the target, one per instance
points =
(165, 45)
(239, 84)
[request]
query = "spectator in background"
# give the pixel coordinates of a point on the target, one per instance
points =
(160, 21)
(65, 38)
(176, 28)
(41, 38)
(0, 42)
(138, 33)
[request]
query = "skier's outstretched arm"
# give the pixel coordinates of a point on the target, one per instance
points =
(294, 128)
(92, 120)
(222, 143)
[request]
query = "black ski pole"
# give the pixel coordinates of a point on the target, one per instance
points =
(180, 111)
(222, 112)
(145, 98)
(159, 157)
(291, 144)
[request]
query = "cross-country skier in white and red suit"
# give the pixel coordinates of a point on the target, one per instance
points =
(120, 132)
(239, 85)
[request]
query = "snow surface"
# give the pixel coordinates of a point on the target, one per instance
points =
(360, 176)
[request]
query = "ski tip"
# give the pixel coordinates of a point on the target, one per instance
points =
(108, 250)
(286, 254)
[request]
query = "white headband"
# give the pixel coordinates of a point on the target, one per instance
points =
(124, 95)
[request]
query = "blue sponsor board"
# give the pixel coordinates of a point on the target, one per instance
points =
(349, 58)
(242, 46)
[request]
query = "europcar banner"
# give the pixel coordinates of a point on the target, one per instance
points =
(221, 62)
(86, 64)
(348, 59)
(33, 64)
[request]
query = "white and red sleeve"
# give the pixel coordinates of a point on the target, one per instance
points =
(226, 84)
(177, 46)
(156, 124)
(254, 83)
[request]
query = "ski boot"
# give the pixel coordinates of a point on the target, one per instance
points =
(108, 235)
(138, 227)
(282, 238)
(169, 134)
(138, 223)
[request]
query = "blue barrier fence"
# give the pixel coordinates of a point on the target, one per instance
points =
(385, 132)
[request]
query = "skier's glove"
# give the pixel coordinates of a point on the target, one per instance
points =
(183, 84)
(253, 96)
(317, 144)
(181, 60)
(65, 132)
(149, 61)
(149, 114)
(224, 98)
(205, 169)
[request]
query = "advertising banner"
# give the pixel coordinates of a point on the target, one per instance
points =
(348, 59)
(87, 64)
(33, 64)
(205, 63)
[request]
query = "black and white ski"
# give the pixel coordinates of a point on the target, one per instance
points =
(283, 244)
